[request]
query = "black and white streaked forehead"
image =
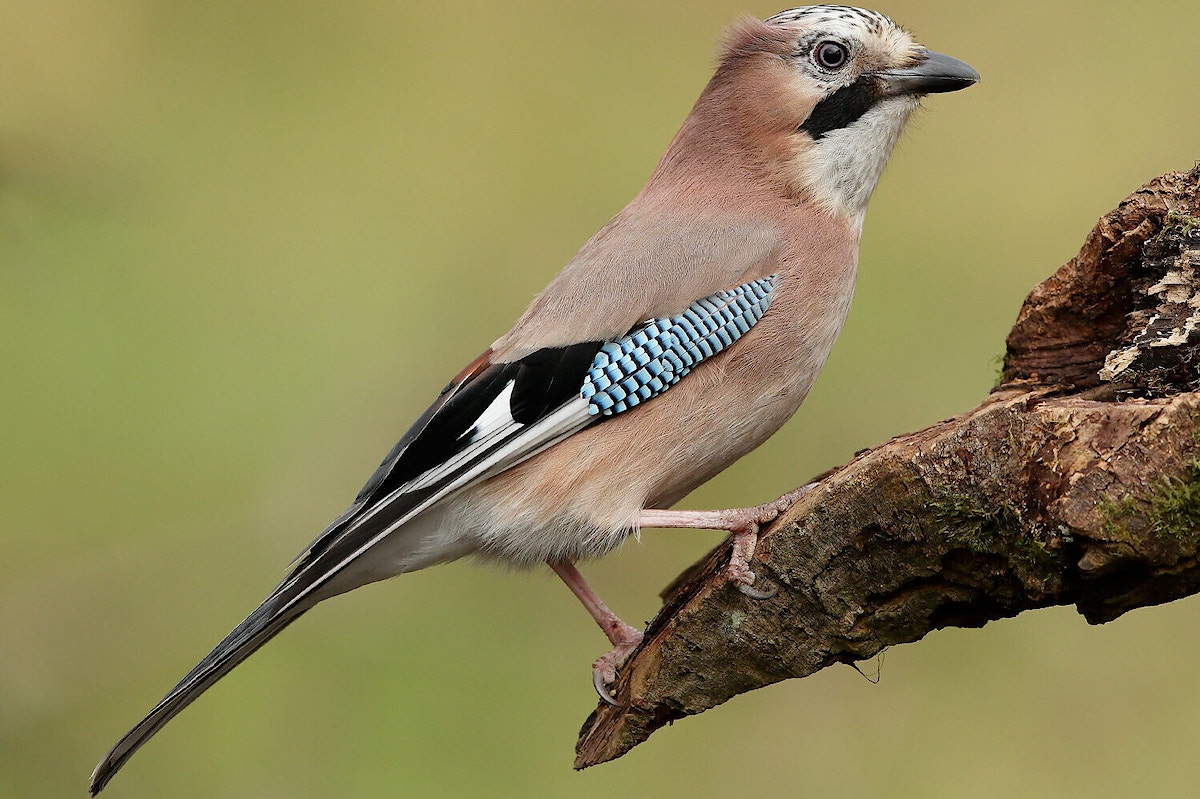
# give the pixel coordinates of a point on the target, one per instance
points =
(874, 40)
(865, 19)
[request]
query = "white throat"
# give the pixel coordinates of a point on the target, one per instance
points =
(840, 170)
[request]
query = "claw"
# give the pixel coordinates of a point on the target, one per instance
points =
(755, 593)
(602, 689)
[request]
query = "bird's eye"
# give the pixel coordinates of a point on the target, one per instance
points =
(831, 55)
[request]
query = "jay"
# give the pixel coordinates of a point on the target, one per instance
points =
(680, 337)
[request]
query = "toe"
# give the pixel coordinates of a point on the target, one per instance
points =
(755, 593)
(601, 685)
(744, 579)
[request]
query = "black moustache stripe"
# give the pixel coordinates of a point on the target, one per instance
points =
(842, 108)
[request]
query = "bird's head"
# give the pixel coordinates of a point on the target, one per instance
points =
(816, 97)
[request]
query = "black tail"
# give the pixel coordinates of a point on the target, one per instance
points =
(259, 627)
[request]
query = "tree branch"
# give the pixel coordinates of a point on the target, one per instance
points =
(1075, 482)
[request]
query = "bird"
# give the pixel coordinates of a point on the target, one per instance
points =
(681, 336)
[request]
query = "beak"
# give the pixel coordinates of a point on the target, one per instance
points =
(932, 74)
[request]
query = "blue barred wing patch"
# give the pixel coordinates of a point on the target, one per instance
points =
(659, 352)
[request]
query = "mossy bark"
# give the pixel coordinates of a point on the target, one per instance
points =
(1076, 482)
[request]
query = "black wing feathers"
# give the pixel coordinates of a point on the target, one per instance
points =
(542, 381)
(447, 431)
(548, 378)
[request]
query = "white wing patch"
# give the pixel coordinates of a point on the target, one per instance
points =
(495, 417)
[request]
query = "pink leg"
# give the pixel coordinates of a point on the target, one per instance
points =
(623, 637)
(742, 522)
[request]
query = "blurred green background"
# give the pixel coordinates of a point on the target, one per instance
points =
(242, 245)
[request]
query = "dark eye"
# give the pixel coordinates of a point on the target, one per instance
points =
(831, 55)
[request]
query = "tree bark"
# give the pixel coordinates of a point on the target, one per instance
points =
(1077, 481)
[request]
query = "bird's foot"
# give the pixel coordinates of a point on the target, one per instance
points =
(745, 540)
(744, 523)
(623, 637)
(604, 670)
